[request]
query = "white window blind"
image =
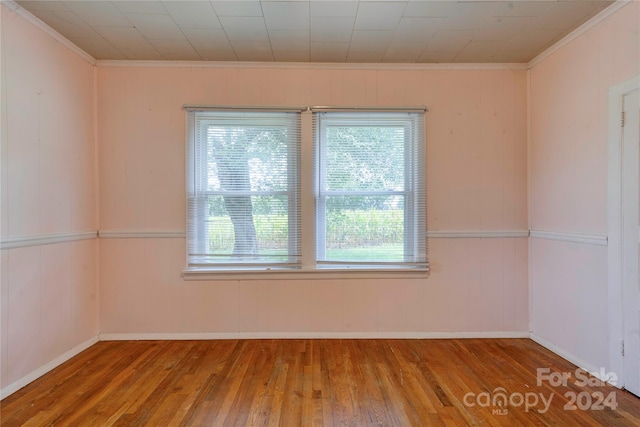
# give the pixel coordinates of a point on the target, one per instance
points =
(243, 188)
(370, 188)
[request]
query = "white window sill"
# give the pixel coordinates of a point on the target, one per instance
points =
(275, 273)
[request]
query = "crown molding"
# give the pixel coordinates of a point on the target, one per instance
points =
(24, 13)
(311, 65)
(595, 20)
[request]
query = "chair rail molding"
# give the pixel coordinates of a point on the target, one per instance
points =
(45, 239)
(589, 239)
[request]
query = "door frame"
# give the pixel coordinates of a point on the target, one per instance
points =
(615, 238)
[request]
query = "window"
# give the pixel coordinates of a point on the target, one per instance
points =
(243, 188)
(367, 191)
(370, 202)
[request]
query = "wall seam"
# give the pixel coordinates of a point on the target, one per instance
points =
(96, 186)
(529, 214)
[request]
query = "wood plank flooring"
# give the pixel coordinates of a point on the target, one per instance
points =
(309, 382)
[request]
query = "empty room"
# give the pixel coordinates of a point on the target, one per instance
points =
(320, 212)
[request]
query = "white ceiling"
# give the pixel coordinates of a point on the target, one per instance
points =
(355, 31)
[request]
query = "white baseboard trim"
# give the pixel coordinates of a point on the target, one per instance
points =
(47, 367)
(596, 371)
(310, 335)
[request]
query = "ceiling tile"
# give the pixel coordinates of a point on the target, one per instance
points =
(291, 56)
(531, 40)
(428, 9)
(153, 26)
(142, 54)
(252, 51)
(416, 29)
(176, 49)
(328, 57)
(379, 1)
(403, 52)
(519, 56)
(217, 55)
(503, 28)
(480, 51)
(99, 48)
(124, 38)
(469, 16)
(378, 15)
(245, 28)
(207, 39)
(365, 56)
(67, 23)
(437, 57)
(192, 14)
(140, 6)
(323, 30)
(99, 13)
(289, 40)
(329, 52)
(47, 5)
(331, 29)
(370, 40)
(523, 8)
(286, 16)
(238, 8)
(450, 40)
(334, 8)
(564, 15)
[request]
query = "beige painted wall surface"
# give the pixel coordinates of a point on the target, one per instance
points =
(48, 293)
(568, 168)
(476, 148)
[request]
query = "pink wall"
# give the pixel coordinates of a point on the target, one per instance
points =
(476, 133)
(49, 302)
(568, 168)
(477, 156)
(48, 292)
(478, 285)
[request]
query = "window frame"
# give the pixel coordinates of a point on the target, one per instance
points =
(414, 180)
(308, 266)
(197, 162)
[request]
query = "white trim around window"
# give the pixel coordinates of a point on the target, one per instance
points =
(290, 179)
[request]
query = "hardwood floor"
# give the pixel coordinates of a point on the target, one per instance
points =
(306, 382)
